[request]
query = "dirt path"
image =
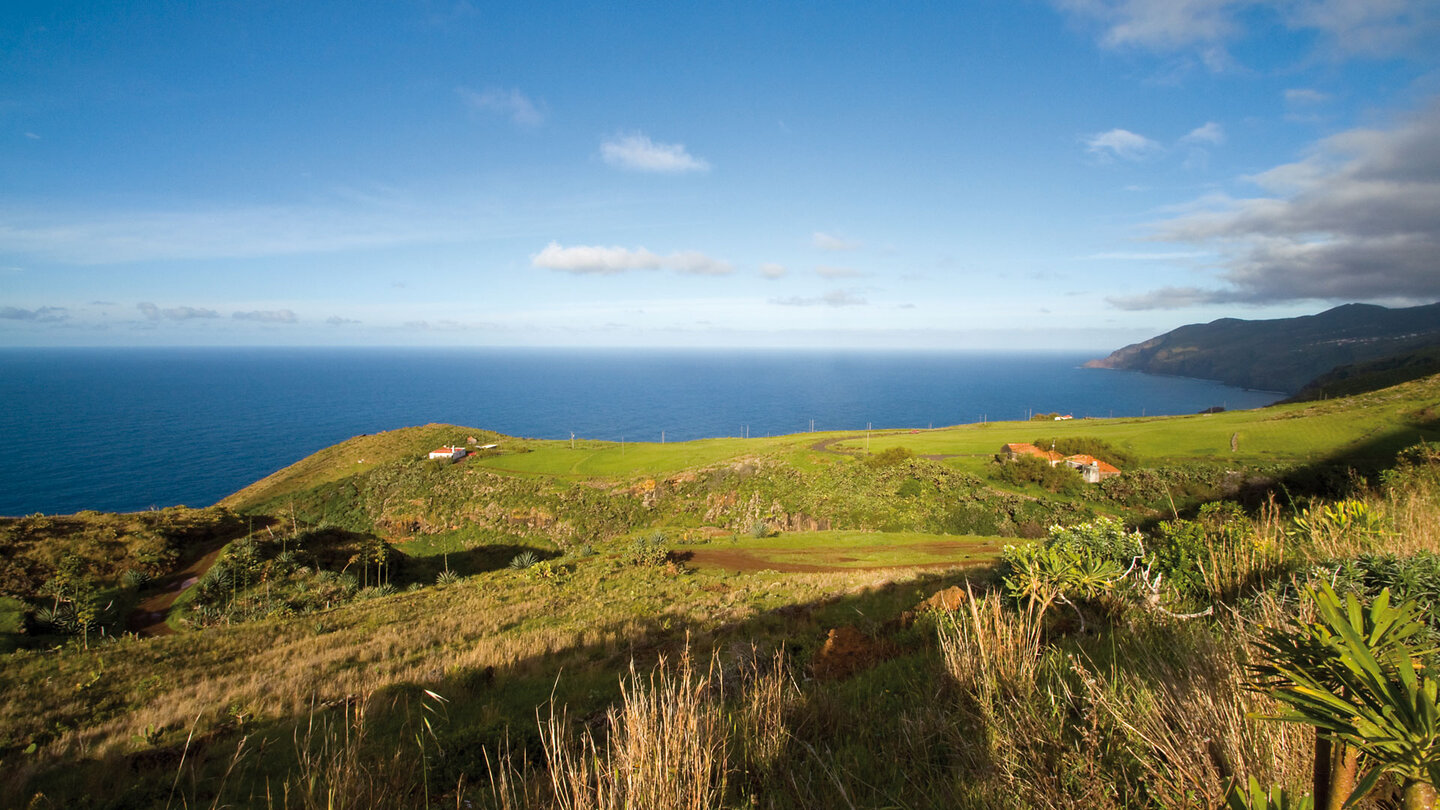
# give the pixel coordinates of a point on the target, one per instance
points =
(827, 445)
(149, 616)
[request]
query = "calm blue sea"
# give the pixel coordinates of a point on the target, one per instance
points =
(128, 429)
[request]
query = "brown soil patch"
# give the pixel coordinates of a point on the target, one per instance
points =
(846, 652)
(949, 600)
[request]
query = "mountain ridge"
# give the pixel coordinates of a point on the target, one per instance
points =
(1282, 354)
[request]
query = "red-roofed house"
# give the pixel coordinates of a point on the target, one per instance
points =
(448, 452)
(1092, 469)
(1015, 450)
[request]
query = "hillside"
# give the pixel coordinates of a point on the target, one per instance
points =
(780, 623)
(1281, 354)
(1373, 375)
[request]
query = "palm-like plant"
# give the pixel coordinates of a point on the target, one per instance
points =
(1352, 674)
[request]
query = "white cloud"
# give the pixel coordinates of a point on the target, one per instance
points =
(1211, 133)
(826, 241)
(1121, 143)
(1353, 221)
(336, 320)
(600, 260)
(834, 298)
(154, 313)
(32, 136)
(828, 271)
(772, 271)
(638, 153)
(1161, 25)
(267, 316)
(512, 104)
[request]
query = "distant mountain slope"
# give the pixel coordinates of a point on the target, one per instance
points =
(1372, 375)
(1282, 354)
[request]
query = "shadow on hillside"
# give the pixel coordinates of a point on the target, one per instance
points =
(1339, 474)
(500, 707)
(478, 560)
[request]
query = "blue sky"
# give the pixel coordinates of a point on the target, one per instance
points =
(1074, 174)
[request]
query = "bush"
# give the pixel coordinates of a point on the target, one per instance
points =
(1060, 479)
(1090, 446)
(524, 560)
(649, 550)
(889, 457)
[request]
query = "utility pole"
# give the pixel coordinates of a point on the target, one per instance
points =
(867, 436)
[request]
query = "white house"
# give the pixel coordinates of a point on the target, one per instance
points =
(448, 452)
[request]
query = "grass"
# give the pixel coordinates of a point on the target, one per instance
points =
(850, 549)
(1375, 424)
(12, 623)
(590, 459)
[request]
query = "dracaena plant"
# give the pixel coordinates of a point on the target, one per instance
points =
(1352, 674)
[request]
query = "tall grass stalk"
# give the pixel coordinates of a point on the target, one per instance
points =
(664, 747)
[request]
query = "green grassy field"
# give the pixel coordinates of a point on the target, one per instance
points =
(1370, 427)
(589, 459)
(829, 550)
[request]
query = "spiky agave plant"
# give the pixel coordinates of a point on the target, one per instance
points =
(1352, 674)
(524, 560)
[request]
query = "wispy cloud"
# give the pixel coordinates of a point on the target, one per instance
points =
(826, 241)
(600, 260)
(834, 298)
(91, 237)
(336, 320)
(154, 313)
(772, 271)
(1353, 221)
(636, 152)
(1122, 144)
(39, 314)
(1305, 96)
(1211, 133)
(267, 316)
(511, 104)
(1204, 28)
(1149, 256)
(828, 271)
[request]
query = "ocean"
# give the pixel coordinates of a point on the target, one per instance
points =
(132, 429)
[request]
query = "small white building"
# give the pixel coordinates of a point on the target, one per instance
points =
(449, 452)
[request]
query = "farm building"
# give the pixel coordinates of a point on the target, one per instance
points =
(448, 452)
(1092, 469)
(1015, 450)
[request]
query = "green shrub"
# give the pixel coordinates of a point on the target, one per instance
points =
(889, 457)
(524, 560)
(649, 550)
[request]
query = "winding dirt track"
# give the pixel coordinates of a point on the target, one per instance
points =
(149, 616)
